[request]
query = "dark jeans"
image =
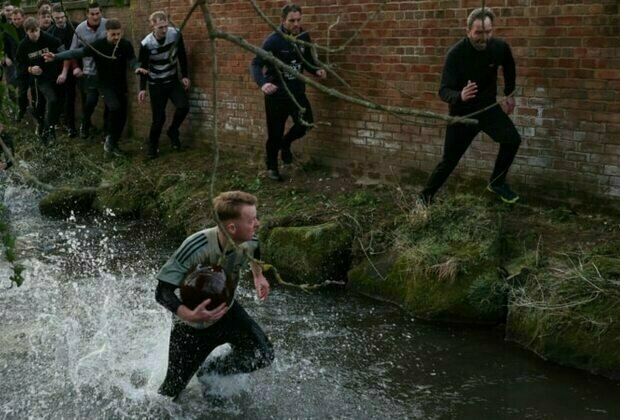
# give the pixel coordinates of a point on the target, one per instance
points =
(189, 347)
(22, 84)
(89, 92)
(46, 108)
(116, 104)
(160, 94)
(493, 122)
(278, 109)
(66, 100)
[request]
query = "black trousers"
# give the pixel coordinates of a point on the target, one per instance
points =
(493, 122)
(66, 93)
(89, 92)
(160, 94)
(116, 103)
(22, 84)
(189, 347)
(46, 108)
(278, 109)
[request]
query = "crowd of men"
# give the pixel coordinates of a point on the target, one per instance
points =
(95, 60)
(49, 60)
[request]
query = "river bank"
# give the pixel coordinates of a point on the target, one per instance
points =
(551, 276)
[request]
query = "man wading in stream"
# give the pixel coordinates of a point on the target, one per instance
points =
(196, 333)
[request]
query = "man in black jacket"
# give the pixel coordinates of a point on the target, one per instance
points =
(10, 51)
(66, 82)
(279, 104)
(112, 55)
(469, 86)
(42, 75)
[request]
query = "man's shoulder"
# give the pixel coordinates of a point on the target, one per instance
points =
(80, 26)
(498, 43)
(458, 45)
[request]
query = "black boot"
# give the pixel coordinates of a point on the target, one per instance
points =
(84, 129)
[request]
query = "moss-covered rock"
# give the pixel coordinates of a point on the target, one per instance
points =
(568, 312)
(308, 254)
(61, 203)
(127, 199)
(442, 265)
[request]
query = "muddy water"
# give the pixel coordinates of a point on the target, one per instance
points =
(84, 338)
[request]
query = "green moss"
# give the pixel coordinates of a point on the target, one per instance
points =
(61, 203)
(309, 254)
(567, 311)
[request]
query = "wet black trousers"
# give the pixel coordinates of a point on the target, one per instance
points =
(66, 93)
(116, 103)
(160, 93)
(45, 102)
(278, 109)
(493, 122)
(89, 92)
(189, 347)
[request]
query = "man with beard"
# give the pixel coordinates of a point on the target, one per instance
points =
(66, 81)
(10, 50)
(469, 86)
(279, 104)
(112, 55)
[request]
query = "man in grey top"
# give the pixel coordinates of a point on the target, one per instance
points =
(92, 29)
(197, 332)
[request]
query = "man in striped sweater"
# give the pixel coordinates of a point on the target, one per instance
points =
(162, 52)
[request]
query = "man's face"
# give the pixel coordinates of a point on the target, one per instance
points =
(292, 23)
(160, 27)
(17, 19)
(114, 35)
(33, 34)
(8, 10)
(60, 19)
(45, 20)
(245, 227)
(480, 34)
(94, 16)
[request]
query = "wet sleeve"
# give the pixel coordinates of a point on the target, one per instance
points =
(190, 253)
(165, 296)
(70, 54)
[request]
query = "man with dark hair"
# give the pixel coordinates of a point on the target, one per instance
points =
(196, 332)
(10, 52)
(275, 85)
(66, 82)
(469, 86)
(162, 52)
(92, 29)
(45, 18)
(7, 11)
(112, 55)
(31, 65)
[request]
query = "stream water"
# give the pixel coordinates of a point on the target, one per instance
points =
(84, 338)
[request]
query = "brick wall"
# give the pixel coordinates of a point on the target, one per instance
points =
(568, 83)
